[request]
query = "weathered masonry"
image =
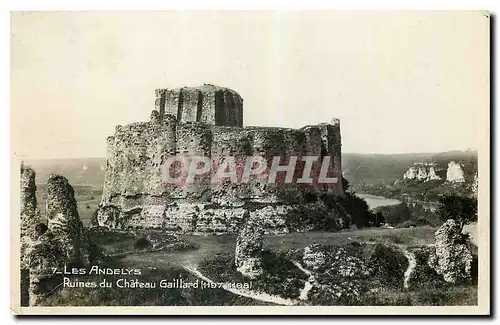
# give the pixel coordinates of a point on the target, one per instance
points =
(208, 121)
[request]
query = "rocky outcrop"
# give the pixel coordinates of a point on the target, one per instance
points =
(454, 173)
(422, 172)
(432, 176)
(411, 173)
(30, 215)
(61, 243)
(248, 253)
(64, 221)
(452, 258)
(208, 121)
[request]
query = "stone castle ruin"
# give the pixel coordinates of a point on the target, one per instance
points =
(208, 121)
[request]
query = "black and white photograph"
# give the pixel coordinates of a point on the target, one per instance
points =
(282, 162)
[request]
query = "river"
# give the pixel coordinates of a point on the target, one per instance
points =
(377, 201)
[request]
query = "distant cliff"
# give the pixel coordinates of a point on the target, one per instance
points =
(422, 176)
(377, 169)
(453, 173)
(423, 172)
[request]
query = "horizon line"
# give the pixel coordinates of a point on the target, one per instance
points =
(343, 153)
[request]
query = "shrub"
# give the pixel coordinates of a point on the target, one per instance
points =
(358, 209)
(142, 243)
(280, 277)
(408, 224)
(462, 209)
(395, 214)
(388, 265)
(41, 229)
(422, 221)
(423, 274)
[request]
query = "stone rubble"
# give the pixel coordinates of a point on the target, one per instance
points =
(336, 274)
(248, 251)
(452, 258)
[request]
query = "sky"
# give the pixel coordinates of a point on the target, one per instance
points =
(398, 81)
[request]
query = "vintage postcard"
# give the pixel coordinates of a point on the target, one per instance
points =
(250, 162)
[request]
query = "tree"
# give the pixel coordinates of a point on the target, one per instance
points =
(395, 214)
(379, 219)
(358, 209)
(462, 209)
(345, 184)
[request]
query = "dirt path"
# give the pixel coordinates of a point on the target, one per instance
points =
(259, 296)
(309, 283)
(412, 263)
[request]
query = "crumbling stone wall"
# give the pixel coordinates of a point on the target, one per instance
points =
(205, 120)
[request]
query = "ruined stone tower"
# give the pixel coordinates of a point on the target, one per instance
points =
(208, 121)
(207, 104)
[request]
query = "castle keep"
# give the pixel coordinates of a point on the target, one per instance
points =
(208, 121)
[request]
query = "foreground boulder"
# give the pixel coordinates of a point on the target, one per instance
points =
(248, 251)
(452, 258)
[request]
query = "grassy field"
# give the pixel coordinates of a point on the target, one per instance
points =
(218, 252)
(170, 265)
